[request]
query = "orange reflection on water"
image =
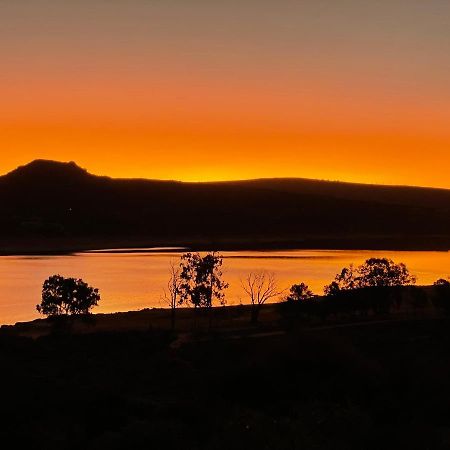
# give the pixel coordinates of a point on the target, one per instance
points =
(131, 281)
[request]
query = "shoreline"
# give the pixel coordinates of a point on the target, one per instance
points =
(227, 316)
(162, 311)
(66, 246)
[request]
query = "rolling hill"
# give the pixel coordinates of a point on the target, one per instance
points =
(47, 201)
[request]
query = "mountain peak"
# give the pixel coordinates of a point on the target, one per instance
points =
(43, 168)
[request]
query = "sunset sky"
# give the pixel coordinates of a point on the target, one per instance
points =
(352, 90)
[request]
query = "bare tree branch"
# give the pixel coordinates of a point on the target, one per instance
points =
(260, 288)
(171, 296)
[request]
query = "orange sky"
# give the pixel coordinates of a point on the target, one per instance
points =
(196, 90)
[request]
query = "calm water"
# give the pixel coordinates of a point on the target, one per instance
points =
(131, 281)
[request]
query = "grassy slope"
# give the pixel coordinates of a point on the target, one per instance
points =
(383, 384)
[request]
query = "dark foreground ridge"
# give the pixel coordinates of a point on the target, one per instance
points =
(125, 381)
(53, 206)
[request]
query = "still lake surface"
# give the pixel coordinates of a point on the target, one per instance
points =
(130, 280)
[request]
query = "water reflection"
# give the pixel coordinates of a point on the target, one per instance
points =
(133, 279)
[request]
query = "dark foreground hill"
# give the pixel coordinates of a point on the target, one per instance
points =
(361, 383)
(51, 201)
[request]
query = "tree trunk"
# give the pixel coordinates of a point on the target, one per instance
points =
(210, 316)
(172, 319)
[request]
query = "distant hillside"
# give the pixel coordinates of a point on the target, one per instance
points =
(50, 199)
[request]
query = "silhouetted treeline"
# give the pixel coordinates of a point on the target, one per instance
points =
(378, 286)
(371, 300)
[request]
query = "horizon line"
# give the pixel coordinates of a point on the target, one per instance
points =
(234, 180)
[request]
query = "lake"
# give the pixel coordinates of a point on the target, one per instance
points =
(132, 280)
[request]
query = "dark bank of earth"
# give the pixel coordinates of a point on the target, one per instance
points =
(127, 382)
(58, 207)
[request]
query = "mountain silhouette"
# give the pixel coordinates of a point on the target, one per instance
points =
(42, 171)
(47, 199)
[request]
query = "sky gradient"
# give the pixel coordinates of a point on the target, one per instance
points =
(349, 90)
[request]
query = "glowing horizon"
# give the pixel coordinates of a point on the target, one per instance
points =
(204, 91)
(219, 180)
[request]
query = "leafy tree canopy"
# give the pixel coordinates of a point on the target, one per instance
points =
(375, 272)
(64, 296)
(443, 283)
(201, 279)
(300, 292)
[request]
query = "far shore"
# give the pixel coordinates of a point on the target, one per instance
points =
(65, 245)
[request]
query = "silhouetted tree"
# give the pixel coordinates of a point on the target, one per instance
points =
(173, 294)
(442, 282)
(299, 292)
(260, 287)
(442, 295)
(300, 303)
(201, 279)
(375, 272)
(65, 296)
